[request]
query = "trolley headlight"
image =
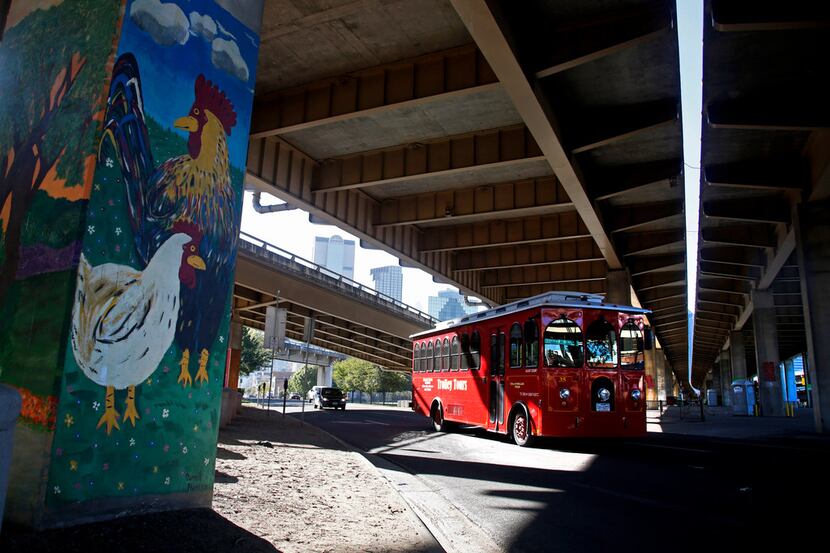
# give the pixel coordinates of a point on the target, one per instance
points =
(604, 394)
(564, 394)
(636, 394)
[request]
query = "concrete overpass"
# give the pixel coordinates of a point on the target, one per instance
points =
(505, 148)
(349, 318)
(765, 181)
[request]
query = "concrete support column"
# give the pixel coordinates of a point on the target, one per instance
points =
(651, 374)
(766, 353)
(737, 352)
(619, 287)
(234, 356)
(324, 375)
(726, 378)
(812, 236)
(90, 213)
(660, 371)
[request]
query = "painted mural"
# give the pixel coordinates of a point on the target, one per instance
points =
(141, 389)
(49, 132)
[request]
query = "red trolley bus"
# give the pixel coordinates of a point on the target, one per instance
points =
(557, 364)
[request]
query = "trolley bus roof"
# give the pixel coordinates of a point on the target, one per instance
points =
(548, 299)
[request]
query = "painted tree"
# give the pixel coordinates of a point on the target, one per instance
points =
(49, 129)
(254, 355)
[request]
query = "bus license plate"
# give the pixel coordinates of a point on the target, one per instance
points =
(604, 407)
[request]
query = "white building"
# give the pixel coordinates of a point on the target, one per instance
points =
(335, 254)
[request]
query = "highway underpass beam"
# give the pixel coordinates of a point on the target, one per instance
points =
(766, 353)
(116, 280)
(812, 230)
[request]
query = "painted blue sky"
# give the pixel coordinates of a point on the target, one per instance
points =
(168, 73)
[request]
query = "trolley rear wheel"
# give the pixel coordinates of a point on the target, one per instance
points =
(438, 422)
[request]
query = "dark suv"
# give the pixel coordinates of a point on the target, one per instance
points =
(330, 397)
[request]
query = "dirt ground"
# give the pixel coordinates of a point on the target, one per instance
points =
(281, 486)
(301, 490)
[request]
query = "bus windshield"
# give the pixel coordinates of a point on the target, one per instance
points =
(563, 344)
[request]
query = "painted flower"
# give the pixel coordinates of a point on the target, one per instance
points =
(222, 339)
(96, 405)
(195, 427)
(207, 461)
(105, 466)
(68, 420)
(165, 413)
(155, 469)
(56, 490)
(91, 229)
(121, 485)
(109, 162)
(166, 481)
(118, 231)
(184, 450)
(132, 442)
(73, 465)
(166, 448)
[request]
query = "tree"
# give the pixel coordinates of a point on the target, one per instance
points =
(49, 129)
(254, 355)
(357, 374)
(303, 380)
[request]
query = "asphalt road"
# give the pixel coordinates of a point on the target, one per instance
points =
(661, 493)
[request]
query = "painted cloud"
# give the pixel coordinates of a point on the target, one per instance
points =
(203, 25)
(226, 56)
(165, 23)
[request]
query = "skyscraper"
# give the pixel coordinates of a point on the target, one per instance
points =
(388, 280)
(449, 305)
(336, 254)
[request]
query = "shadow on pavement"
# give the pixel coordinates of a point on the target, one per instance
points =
(186, 531)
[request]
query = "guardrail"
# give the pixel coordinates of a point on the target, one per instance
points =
(305, 268)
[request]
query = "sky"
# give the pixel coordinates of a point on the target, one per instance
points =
(292, 231)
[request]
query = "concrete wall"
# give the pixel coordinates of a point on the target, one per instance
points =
(122, 395)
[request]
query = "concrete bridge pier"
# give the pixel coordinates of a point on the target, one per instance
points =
(766, 353)
(113, 322)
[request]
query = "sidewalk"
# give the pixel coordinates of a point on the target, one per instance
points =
(281, 486)
(721, 423)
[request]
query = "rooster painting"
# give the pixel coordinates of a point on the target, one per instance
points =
(194, 187)
(124, 320)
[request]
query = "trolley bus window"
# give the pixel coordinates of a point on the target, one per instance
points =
(455, 354)
(445, 355)
(501, 352)
(601, 345)
(515, 346)
(563, 344)
(416, 359)
(475, 350)
(466, 357)
(631, 346)
(429, 357)
(436, 357)
(531, 335)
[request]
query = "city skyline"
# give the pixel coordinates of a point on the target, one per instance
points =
(335, 253)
